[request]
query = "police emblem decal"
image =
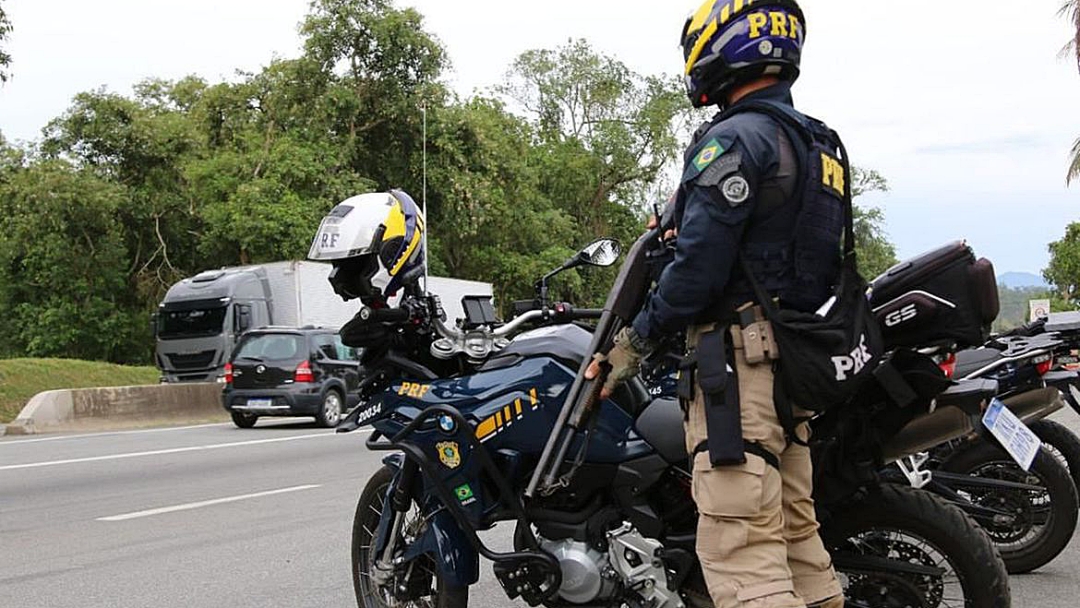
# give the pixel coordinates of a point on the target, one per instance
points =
(449, 454)
(736, 190)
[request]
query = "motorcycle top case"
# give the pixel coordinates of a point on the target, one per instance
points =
(941, 296)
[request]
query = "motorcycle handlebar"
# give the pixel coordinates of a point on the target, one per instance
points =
(385, 315)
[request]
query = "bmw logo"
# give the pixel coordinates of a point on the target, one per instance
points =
(447, 424)
(260, 369)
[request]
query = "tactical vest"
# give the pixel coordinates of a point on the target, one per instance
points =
(813, 247)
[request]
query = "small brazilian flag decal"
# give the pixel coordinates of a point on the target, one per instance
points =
(463, 492)
(708, 154)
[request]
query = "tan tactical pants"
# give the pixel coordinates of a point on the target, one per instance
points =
(757, 534)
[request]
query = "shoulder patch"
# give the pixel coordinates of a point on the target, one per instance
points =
(708, 154)
(735, 190)
(726, 165)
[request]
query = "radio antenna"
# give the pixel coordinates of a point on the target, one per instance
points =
(423, 194)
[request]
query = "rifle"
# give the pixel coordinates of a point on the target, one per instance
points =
(626, 298)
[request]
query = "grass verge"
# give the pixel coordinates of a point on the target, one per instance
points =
(21, 379)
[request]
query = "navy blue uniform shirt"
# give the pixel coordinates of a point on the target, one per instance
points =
(727, 171)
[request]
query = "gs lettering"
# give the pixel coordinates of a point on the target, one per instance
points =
(897, 317)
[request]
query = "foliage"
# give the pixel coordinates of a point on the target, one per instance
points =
(1063, 273)
(5, 58)
(1014, 305)
(1071, 11)
(21, 379)
(63, 268)
(1074, 167)
(875, 252)
(126, 194)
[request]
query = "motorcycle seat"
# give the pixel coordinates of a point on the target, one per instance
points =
(661, 424)
(968, 361)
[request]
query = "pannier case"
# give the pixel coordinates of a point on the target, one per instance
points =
(942, 296)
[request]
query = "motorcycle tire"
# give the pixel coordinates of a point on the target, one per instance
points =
(913, 526)
(368, 511)
(1063, 441)
(1023, 545)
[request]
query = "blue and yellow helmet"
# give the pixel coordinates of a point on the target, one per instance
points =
(729, 42)
(375, 243)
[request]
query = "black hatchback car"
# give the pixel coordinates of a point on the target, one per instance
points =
(278, 371)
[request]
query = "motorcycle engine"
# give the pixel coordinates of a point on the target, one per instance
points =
(587, 574)
(630, 562)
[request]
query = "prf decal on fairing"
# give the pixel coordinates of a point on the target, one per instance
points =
(494, 424)
(410, 389)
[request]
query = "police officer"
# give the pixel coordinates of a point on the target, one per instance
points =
(738, 210)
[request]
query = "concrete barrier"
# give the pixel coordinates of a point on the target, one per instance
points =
(118, 407)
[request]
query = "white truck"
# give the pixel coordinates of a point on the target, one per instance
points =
(201, 318)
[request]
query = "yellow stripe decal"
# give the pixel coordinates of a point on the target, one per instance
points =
(700, 45)
(486, 428)
(507, 415)
(532, 398)
(701, 16)
(395, 222)
(407, 254)
(517, 406)
(738, 5)
(725, 14)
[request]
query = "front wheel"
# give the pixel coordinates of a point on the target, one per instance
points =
(904, 547)
(437, 592)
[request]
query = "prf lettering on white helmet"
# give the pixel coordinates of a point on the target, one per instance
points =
(853, 363)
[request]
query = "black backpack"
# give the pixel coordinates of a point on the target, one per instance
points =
(827, 356)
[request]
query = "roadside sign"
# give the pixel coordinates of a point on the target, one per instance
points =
(1039, 309)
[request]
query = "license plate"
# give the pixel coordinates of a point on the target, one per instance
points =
(260, 402)
(1017, 439)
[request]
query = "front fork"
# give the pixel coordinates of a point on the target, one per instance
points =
(399, 503)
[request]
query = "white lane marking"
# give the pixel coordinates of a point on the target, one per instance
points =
(202, 503)
(194, 448)
(111, 433)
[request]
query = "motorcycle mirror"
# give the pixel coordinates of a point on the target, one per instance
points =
(601, 252)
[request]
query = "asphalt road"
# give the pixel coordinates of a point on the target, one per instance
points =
(211, 516)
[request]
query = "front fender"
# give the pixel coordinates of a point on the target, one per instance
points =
(455, 558)
(443, 540)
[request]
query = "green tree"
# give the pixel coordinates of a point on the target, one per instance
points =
(5, 58)
(602, 135)
(1071, 11)
(875, 252)
(1064, 269)
(64, 268)
(610, 129)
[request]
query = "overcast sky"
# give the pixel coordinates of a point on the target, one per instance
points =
(963, 105)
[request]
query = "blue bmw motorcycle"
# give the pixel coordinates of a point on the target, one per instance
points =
(486, 424)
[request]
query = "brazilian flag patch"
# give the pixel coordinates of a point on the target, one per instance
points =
(708, 154)
(463, 492)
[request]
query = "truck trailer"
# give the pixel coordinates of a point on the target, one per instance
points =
(202, 317)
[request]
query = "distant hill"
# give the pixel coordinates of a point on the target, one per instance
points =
(1021, 279)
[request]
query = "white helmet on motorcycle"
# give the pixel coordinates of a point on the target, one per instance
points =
(374, 241)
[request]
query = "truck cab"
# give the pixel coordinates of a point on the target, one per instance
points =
(201, 319)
